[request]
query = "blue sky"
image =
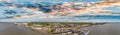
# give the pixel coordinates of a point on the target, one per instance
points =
(43, 16)
(56, 0)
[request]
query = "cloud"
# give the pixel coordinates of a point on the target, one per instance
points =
(119, 7)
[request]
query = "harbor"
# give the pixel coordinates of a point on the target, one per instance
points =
(13, 29)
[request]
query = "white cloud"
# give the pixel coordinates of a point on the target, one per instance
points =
(119, 7)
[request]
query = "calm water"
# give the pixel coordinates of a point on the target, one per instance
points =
(106, 29)
(11, 29)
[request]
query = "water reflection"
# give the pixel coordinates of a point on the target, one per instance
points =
(106, 29)
(11, 29)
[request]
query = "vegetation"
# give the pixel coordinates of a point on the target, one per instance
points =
(38, 23)
(63, 23)
(51, 27)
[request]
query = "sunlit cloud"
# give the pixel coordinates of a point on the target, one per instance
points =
(53, 10)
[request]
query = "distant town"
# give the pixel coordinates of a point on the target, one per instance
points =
(59, 17)
(60, 28)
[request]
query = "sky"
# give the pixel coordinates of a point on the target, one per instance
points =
(42, 17)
